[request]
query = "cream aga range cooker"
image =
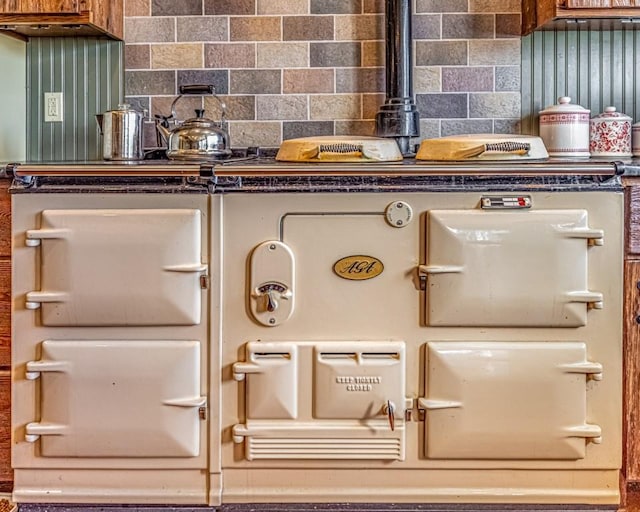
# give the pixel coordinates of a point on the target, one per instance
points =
(263, 333)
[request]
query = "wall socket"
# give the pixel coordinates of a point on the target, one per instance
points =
(53, 107)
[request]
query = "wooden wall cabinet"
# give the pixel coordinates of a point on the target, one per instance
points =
(33, 18)
(548, 14)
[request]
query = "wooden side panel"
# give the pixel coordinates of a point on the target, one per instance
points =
(6, 474)
(5, 313)
(632, 368)
(633, 218)
(5, 219)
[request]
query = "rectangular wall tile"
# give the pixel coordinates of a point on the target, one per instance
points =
(339, 55)
(282, 7)
(282, 55)
(427, 26)
(355, 127)
(230, 7)
(371, 104)
(359, 80)
(461, 79)
(255, 81)
(137, 56)
(462, 126)
(309, 81)
(359, 28)
(468, 26)
(494, 6)
(508, 25)
(443, 106)
(137, 8)
(336, 7)
(441, 53)
(288, 107)
(227, 56)
(202, 28)
(499, 104)
(493, 52)
(297, 129)
(307, 28)
(440, 6)
(261, 28)
(150, 83)
(176, 56)
(256, 133)
(507, 78)
(173, 8)
(336, 106)
(239, 108)
(149, 30)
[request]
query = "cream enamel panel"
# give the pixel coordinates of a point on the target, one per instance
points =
(118, 399)
(271, 375)
(118, 267)
(509, 268)
(359, 380)
(292, 413)
(508, 400)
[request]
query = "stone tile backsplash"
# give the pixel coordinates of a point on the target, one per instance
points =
(294, 68)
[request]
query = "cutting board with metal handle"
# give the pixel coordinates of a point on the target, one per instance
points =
(482, 147)
(339, 148)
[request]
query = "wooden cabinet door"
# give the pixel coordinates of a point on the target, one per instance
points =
(40, 6)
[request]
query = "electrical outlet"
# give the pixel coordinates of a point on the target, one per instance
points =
(52, 107)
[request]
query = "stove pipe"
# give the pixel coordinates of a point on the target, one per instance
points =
(398, 117)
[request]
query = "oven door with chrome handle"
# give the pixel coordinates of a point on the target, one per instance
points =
(509, 268)
(110, 267)
(121, 398)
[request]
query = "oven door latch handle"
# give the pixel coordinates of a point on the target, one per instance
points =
(594, 300)
(390, 409)
(34, 430)
(34, 368)
(34, 236)
(425, 270)
(592, 370)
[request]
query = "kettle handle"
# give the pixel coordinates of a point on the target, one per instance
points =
(197, 89)
(200, 89)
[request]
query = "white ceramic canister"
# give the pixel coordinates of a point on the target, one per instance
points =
(564, 129)
(635, 139)
(610, 134)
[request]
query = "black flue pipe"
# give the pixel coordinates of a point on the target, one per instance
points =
(398, 117)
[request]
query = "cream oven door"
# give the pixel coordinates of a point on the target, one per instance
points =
(508, 400)
(109, 267)
(118, 399)
(325, 400)
(509, 268)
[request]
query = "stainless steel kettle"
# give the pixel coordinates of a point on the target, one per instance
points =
(121, 131)
(197, 138)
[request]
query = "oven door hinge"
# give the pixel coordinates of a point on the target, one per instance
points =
(204, 281)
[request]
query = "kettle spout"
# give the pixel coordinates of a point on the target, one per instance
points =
(99, 118)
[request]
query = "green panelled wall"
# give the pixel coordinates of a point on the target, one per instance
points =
(596, 68)
(89, 72)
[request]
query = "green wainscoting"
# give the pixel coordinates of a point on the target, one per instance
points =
(89, 72)
(596, 68)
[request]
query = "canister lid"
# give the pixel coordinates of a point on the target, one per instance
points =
(610, 114)
(565, 106)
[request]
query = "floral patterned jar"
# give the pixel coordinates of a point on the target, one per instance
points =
(610, 134)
